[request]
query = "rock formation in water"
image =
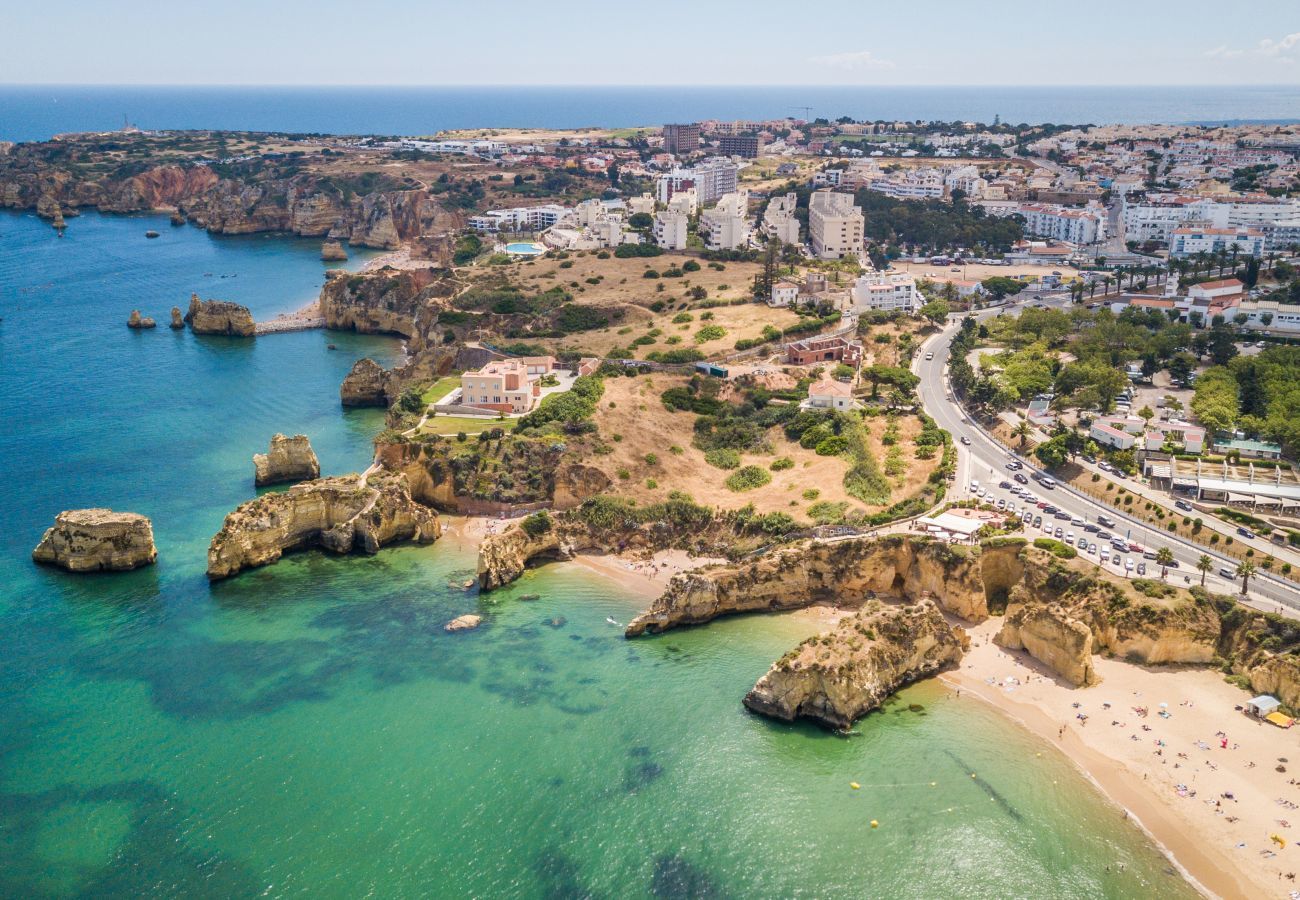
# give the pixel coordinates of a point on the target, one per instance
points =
(288, 459)
(332, 251)
(135, 320)
(341, 515)
(176, 220)
(178, 321)
(219, 317)
(365, 385)
(961, 579)
(502, 557)
(838, 677)
(467, 622)
(94, 540)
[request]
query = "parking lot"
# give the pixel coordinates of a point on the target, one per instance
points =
(1029, 498)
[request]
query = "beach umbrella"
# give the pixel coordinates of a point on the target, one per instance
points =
(1164, 705)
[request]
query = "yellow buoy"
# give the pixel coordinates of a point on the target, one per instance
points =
(875, 824)
(854, 785)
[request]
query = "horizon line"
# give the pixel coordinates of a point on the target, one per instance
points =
(516, 86)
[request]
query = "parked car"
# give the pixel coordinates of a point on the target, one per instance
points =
(1246, 533)
(1142, 568)
(973, 487)
(1004, 484)
(1104, 536)
(1128, 564)
(1184, 505)
(1105, 554)
(1048, 483)
(1002, 504)
(1015, 466)
(1082, 543)
(929, 356)
(1038, 520)
(1135, 547)
(1089, 458)
(1069, 537)
(1062, 515)
(1058, 533)
(1092, 549)
(1076, 520)
(1148, 554)
(1091, 528)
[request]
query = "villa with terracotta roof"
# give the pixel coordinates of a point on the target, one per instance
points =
(830, 394)
(511, 386)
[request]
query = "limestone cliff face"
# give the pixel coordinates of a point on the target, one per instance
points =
(1155, 636)
(576, 482)
(1053, 637)
(94, 540)
(844, 572)
(288, 459)
(1280, 676)
(340, 515)
(219, 317)
(502, 557)
(365, 385)
(382, 302)
(836, 678)
(332, 251)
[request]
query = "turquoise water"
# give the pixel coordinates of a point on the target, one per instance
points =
(308, 729)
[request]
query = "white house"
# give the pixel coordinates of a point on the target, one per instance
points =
(1111, 436)
(885, 291)
(830, 394)
(779, 220)
(670, 230)
(784, 293)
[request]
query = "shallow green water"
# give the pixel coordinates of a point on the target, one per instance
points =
(309, 729)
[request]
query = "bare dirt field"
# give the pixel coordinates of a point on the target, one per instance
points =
(976, 272)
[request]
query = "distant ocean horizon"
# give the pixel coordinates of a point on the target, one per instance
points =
(37, 112)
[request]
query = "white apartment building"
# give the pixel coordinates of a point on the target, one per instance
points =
(779, 220)
(727, 224)
(1156, 217)
(711, 179)
(835, 225)
(1265, 315)
(885, 291)
(1280, 237)
(643, 204)
(1060, 223)
(685, 201)
(912, 186)
(1190, 241)
(670, 229)
(519, 218)
(828, 178)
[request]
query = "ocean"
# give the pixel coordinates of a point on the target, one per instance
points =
(30, 113)
(309, 729)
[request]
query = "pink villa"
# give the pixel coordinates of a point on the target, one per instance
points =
(506, 385)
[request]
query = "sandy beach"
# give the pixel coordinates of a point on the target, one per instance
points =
(1200, 778)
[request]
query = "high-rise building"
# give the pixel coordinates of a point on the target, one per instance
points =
(835, 225)
(742, 145)
(681, 139)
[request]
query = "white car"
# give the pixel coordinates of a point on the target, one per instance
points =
(1128, 564)
(1092, 549)
(1002, 504)
(929, 356)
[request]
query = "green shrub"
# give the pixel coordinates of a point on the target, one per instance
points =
(781, 464)
(723, 458)
(537, 524)
(833, 445)
(710, 333)
(811, 494)
(748, 478)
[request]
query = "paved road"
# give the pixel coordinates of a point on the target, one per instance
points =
(986, 461)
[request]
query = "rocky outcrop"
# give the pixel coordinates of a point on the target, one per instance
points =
(332, 251)
(1278, 675)
(94, 540)
(467, 622)
(178, 321)
(502, 557)
(846, 573)
(836, 678)
(219, 317)
(365, 385)
(341, 515)
(288, 459)
(576, 482)
(135, 320)
(1053, 637)
(387, 301)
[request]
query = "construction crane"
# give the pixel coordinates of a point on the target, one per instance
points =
(807, 112)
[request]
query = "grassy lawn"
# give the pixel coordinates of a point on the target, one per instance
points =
(450, 425)
(441, 388)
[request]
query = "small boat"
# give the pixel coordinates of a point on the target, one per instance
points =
(610, 620)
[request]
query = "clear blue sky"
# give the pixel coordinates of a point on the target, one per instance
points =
(650, 42)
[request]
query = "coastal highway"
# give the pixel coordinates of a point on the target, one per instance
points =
(987, 461)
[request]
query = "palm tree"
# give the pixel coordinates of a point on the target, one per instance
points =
(1164, 556)
(1022, 431)
(1204, 565)
(1244, 571)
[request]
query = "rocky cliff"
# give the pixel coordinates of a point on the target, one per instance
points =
(219, 317)
(135, 320)
(846, 573)
(1052, 636)
(341, 515)
(387, 301)
(838, 677)
(502, 557)
(365, 385)
(93, 540)
(287, 459)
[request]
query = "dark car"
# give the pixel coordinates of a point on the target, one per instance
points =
(1091, 528)
(1107, 521)
(1062, 515)
(1022, 479)
(1246, 533)
(1004, 484)
(1183, 505)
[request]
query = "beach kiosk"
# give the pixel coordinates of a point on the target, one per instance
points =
(1267, 708)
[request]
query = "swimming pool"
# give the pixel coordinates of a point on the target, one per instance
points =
(525, 249)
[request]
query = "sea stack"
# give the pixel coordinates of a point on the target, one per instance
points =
(97, 540)
(135, 320)
(332, 251)
(177, 219)
(365, 385)
(151, 234)
(289, 459)
(178, 321)
(219, 317)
